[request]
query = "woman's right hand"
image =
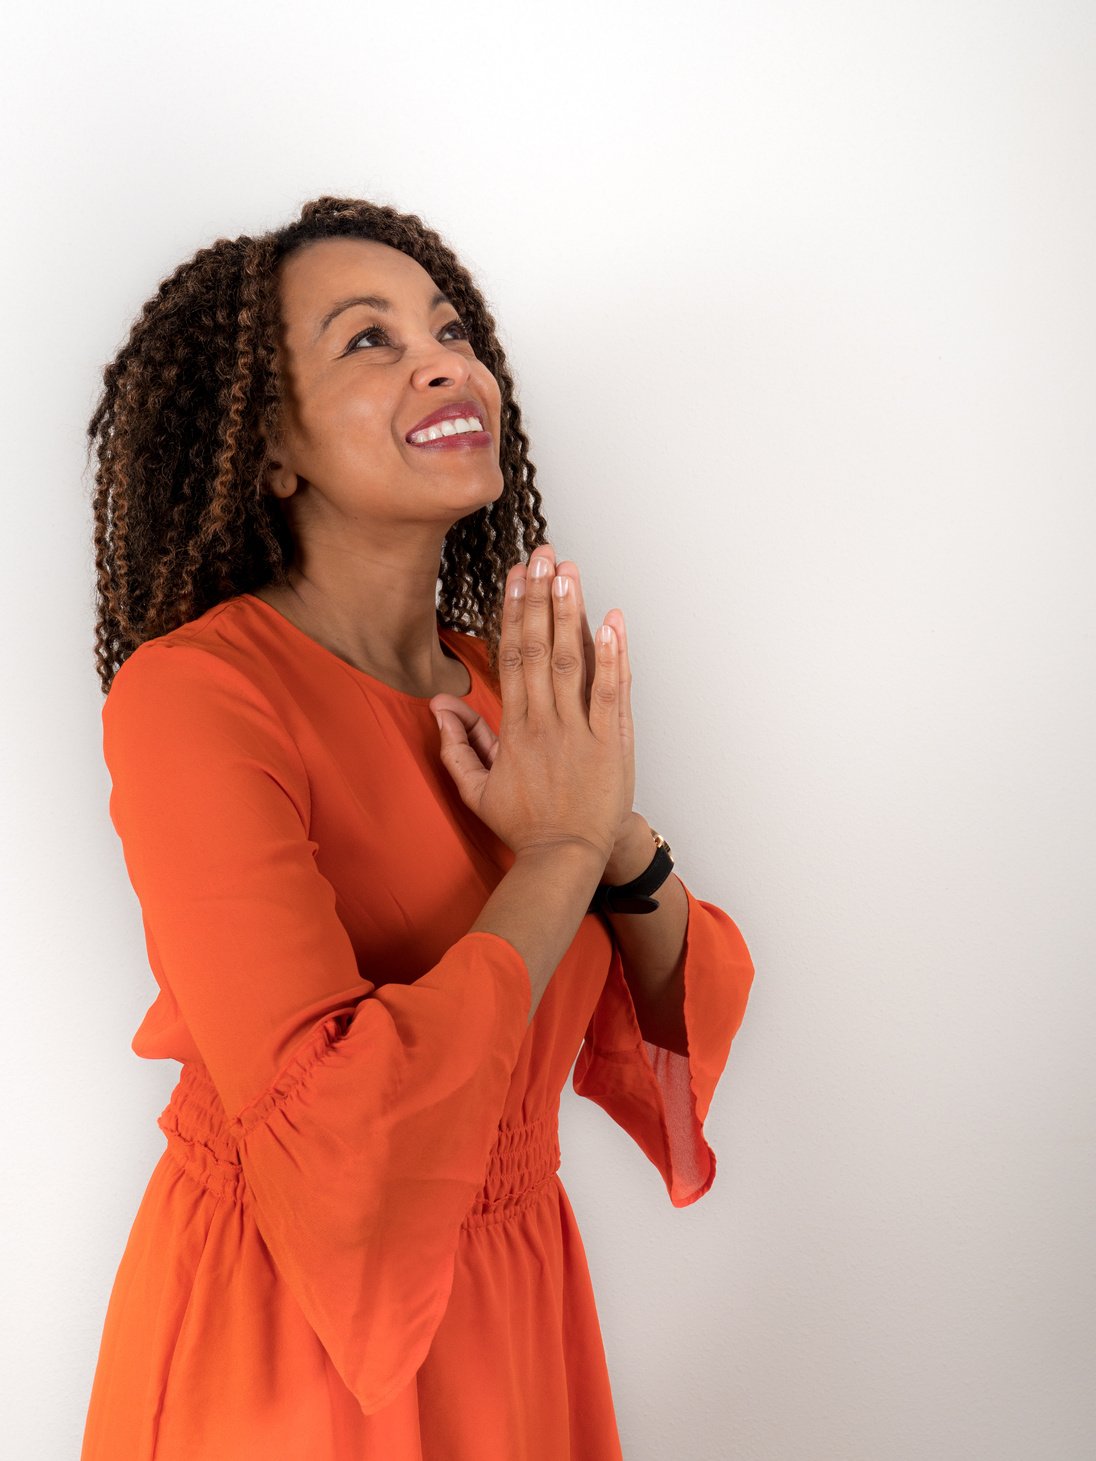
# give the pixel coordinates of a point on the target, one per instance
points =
(558, 774)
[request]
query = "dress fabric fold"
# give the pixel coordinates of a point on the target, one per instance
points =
(356, 1243)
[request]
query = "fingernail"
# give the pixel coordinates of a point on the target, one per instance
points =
(560, 585)
(540, 567)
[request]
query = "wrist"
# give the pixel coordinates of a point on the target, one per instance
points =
(632, 853)
(572, 851)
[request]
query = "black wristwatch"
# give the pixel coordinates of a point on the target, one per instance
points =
(634, 897)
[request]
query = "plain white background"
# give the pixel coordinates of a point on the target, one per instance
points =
(800, 303)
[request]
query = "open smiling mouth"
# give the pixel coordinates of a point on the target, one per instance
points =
(461, 433)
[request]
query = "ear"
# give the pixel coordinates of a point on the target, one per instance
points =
(279, 479)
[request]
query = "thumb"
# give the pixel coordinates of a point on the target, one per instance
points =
(460, 758)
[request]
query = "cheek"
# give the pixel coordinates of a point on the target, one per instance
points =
(487, 388)
(350, 420)
(488, 385)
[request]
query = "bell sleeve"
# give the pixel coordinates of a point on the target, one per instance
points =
(364, 1114)
(660, 1098)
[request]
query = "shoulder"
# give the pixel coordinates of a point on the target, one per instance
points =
(205, 653)
(199, 688)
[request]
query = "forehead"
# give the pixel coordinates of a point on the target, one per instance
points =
(318, 274)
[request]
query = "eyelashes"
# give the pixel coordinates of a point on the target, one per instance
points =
(379, 330)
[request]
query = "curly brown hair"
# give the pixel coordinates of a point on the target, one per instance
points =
(182, 520)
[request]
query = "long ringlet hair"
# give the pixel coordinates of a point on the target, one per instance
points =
(182, 520)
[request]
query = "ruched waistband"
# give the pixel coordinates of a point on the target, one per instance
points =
(198, 1137)
(523, 1159)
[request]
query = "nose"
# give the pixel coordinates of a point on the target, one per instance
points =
(442, 366)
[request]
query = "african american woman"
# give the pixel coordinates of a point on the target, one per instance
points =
(372, 773)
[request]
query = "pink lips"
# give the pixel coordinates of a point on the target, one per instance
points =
(460, 441)
(464, 441)
(449, 412)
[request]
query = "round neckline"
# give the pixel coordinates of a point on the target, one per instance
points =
(443, 637)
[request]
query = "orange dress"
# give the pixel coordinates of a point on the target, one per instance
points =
(356, 1244)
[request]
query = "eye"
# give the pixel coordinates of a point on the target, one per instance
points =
(365, 334)
(379, 330)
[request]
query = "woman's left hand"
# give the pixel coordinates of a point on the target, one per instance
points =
(484, 741)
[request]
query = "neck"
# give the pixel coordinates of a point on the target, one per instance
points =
(378, 612)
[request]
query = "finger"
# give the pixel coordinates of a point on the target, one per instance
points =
(604, 696)
(461, 759)
(515, 704)
(536, 634)
(480, 734)
(568, 665)
(570, 567)
(627, 730)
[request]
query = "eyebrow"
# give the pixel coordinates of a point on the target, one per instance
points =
(371, 301)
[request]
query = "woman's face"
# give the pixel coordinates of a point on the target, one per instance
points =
(359, 378)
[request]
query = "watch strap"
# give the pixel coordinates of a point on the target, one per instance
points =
(635, 897)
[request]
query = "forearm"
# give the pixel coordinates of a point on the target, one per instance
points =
(538, 906)
(652, 945)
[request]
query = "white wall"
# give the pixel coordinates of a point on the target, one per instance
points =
(800, 300)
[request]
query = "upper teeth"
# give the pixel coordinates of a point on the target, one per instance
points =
(452, 427)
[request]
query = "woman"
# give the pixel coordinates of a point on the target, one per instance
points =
(356, 1243)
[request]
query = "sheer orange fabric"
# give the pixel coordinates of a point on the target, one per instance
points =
(356, 1244)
